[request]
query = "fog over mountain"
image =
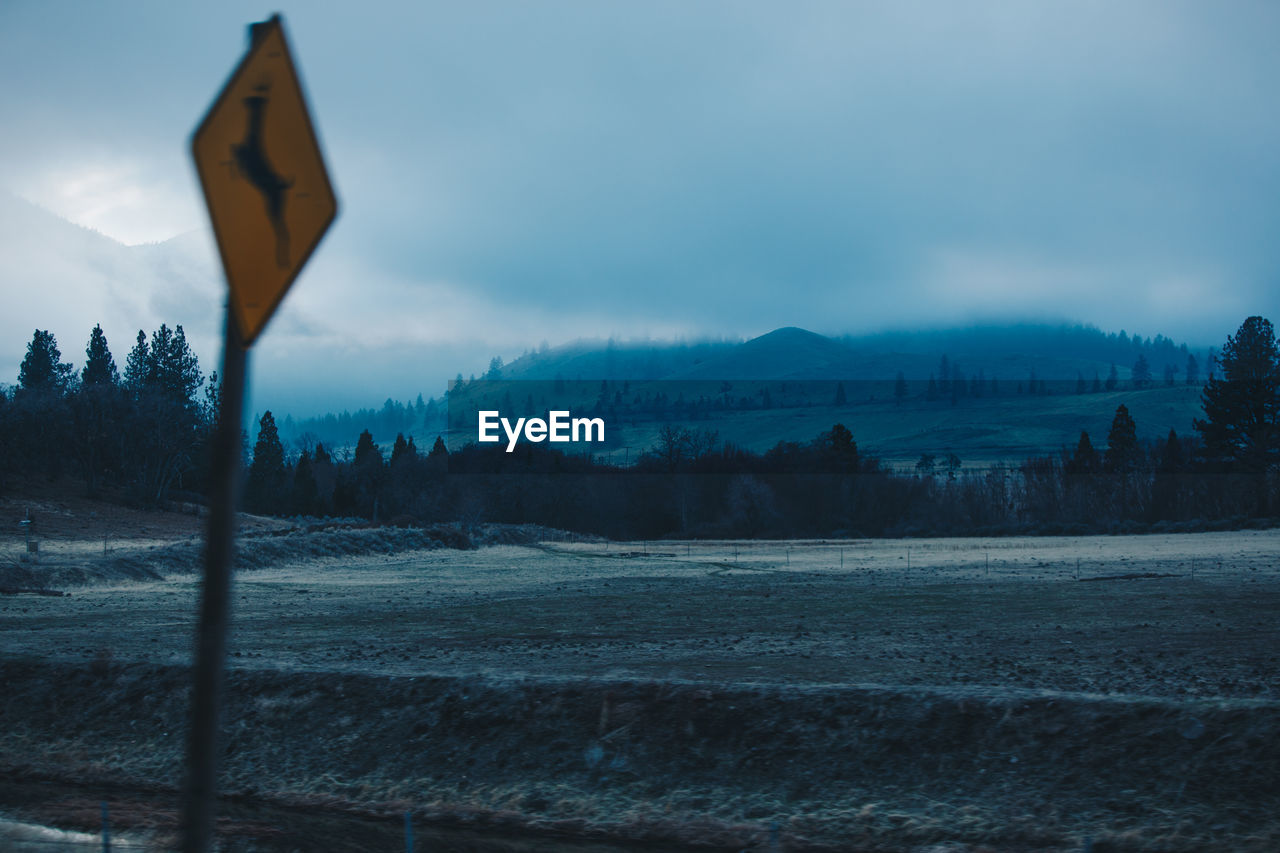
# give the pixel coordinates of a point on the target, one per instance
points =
(547, 172)
(308, 365)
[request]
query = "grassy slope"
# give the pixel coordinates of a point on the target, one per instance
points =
(1007, 428)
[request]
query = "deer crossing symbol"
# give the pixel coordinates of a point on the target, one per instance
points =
(251, 161)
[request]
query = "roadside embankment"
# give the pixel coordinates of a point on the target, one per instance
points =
(854, 767)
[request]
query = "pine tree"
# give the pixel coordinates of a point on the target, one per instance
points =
(840, 450)
(1193, 370)
(42, 370)
(265, 489)
(367, 453)
(1113, 378)
(402, 449)
(1241, 430)
(99, 366)
(900, 389)
(305, 496)
(1141, 372)
(1123, 452)
(368, 471)
(136, 368)
(840, 396)
(172, 368)
(1171, 457)
(98, 416)
(1085, 459)
(438, 449)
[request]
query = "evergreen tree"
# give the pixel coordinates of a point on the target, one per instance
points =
(840, 450)
(402, 450)
(1113, 378)
(438, 450)
(172, 368)
(305, 495)
(98, 417)
(42, 370)
(1171, 456)
(1097, 383)
(326, 478)
(900, 389)
(1123, 452)
(136, 368)
(1241, 430)
(1193, 370)
(211, 407)
(367, 453)
(1085, 459)
(1080, 384)
(840, 396)
(1141, 372)
(161, 377)
(368, 472)
(36, 436)
(265, 489)
(99, 366)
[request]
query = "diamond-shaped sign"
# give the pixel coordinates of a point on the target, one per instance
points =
(264, 179)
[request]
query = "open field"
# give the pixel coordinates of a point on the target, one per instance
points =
(984, 694)
(984, 431)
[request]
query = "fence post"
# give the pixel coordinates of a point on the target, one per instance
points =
(106, 830)
(408, 832)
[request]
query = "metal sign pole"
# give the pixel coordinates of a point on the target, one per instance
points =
(260, 126)
(215, 595)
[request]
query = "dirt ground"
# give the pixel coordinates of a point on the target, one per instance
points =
(1123, 636)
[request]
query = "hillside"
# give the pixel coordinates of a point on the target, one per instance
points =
(1008, 352)
(1011, 392)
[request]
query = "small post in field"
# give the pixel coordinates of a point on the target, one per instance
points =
(408, 832)
(106, 830)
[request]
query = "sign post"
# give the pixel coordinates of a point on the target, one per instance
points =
(270, 202)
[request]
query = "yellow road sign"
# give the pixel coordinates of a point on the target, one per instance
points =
(264, 178)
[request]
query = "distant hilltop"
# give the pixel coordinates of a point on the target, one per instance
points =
(1012, 352)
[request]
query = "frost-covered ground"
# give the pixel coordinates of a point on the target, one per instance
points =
(1170, 615)
(958, 694)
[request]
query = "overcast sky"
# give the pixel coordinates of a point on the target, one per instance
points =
(523, 171)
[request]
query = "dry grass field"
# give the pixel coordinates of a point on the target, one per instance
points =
(963, 694)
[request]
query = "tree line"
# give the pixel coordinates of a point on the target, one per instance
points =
(145, 431)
